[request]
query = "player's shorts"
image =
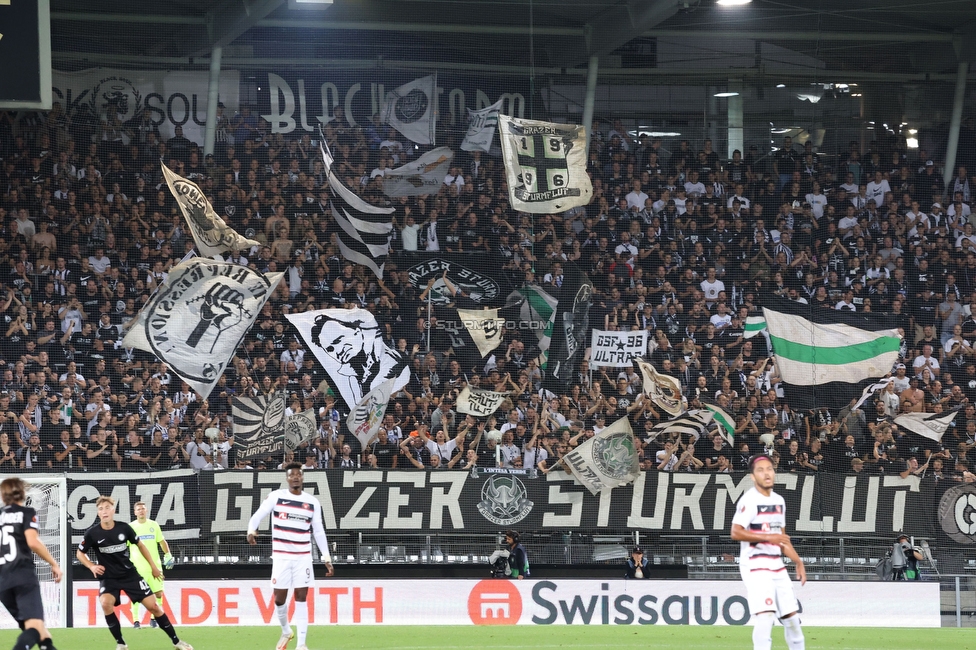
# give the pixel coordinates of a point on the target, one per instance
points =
(23, 601)
(136, 588)
(770, 591)
(155, 584)
(292, 574)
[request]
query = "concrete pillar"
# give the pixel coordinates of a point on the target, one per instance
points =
(736, 120)
(212, 97)
(953, 146)
(588, 102)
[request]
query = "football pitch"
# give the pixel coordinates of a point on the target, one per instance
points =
(422, 637)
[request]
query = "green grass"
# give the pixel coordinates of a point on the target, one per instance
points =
(511, 638)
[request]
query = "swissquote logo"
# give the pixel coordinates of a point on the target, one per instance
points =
(494, 602)
(504, 500)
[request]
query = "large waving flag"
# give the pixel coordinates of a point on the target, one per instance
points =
(928, 425)
(726, 424)
(197, 318)
(664, 390)
(607, 460)
(481, 128)
(690, 423)
(211, 235)
(364, 235)
(831, 350)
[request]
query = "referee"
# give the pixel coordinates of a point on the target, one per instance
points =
(20, 592)
(108, 541)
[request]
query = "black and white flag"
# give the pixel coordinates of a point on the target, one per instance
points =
(300, 428)
(870, 390)
(692, 424)
(481, 128)
(545, 164)
(425, 175)
(928, 425)
(484, 326)
(211, 235)
(197, 318)
(258, 425)
(607, 460)
(364, 420)
(479, 403)
(364, 229)
(411, 109)
(664, 390)
(348, 344)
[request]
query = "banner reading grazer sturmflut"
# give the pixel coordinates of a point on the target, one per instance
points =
(616, 349)
(199, 315)
(545, 164)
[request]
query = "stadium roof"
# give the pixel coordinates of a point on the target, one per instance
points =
(870, 37)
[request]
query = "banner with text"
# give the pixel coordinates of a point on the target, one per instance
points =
(617, 349)
(361, 500)
(172, 97)
(524, 602)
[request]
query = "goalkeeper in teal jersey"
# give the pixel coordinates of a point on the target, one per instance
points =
(150, 534)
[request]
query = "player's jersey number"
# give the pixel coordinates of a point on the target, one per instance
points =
(8, 545)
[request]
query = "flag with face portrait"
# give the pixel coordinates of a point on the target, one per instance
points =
(351, 349)
(545, 165)
(481, 128)
(411, 109)
(210, 233)
(198, 317)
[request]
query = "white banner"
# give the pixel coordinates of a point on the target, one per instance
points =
(545, 164)
(479, 403)
(199, 315)
(617, 349)
(523, 602)
(481, 128)
(171, 96)
(411, 109)
(425, 175)
(484, 327)
(364, 420)
(607, 460)
(348, 344)
(210, 233)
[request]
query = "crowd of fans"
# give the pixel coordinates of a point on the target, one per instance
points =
(682, 242)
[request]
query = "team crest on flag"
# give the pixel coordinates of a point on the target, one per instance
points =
(545, 164)
(481, 128)
(411, 109)
(211, 235)
(198, 316)
(607, 460)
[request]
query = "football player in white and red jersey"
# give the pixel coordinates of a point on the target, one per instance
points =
(759, 522)
(295, 516)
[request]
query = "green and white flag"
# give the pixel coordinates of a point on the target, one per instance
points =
(607, 460)
(481, 128)
(726, 425)
(539, 308)
(829, 349)
(754, 325)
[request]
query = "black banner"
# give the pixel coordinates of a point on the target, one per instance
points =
(570, 334)
(171, 498)
(658, 502)
(482, 279)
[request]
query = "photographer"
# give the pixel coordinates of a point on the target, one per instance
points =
(904, 560)
(518, 559)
